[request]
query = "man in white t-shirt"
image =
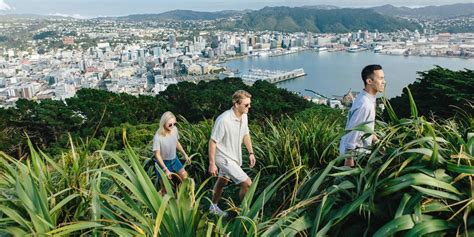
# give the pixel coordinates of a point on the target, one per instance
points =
(225, 148)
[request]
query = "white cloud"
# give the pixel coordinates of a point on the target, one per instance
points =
(4, 6)
(77, 16)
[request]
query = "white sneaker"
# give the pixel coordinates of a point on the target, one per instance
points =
(214, 209)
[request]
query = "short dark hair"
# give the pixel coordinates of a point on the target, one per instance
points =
(368, 71)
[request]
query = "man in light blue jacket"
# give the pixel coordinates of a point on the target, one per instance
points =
(362, 112)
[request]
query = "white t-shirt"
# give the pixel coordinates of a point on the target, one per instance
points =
(228, 133)
(166, 144)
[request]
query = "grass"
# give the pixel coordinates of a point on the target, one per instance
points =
(417, 181)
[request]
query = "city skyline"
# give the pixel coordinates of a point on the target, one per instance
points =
(90, 8)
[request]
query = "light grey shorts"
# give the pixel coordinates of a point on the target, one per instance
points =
(230, 169)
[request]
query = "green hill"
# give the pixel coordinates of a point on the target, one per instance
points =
(445, 11)
(182, 15)
(296, 19)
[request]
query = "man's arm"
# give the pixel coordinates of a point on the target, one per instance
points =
(212, 157)
(248, 145)
(217, 135)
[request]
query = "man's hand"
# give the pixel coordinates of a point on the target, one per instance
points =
(375, 139)
(252, 160)
(382, 151)
(213, 169)
(349, 162)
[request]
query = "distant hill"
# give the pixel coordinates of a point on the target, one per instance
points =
(322, 7)
(445, 11)
(295, 19)
(13, 17)
(182, 15)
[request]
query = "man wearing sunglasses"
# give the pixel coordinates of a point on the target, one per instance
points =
(362, 112)
(225, 148)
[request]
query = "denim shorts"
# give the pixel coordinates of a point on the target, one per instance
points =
(173, 166)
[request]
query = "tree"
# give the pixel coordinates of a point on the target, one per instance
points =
(106, 109)
(91, 112)
(43, 122)
(208, 99)
(438, 91)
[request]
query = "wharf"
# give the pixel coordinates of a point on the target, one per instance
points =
(271, 76)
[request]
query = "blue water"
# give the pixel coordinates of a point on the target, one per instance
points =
(334, 73)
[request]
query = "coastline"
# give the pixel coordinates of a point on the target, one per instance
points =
(428, 56)
(344, 51)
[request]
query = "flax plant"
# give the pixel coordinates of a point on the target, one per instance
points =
(418, 180)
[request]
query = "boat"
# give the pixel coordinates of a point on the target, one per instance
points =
(378, 48)
(262, 54)
(355, 49)
(321, 49)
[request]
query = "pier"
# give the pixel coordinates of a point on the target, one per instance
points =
(271, 76)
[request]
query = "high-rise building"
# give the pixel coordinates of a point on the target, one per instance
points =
(252, 40)
(309, 39)
(141, 57)
(244, 48)
(214, 41)
(157, 52)
(323, 41)
(150, 79)
(172, 41)
(273, 44)
(82, 65)
(285, 43)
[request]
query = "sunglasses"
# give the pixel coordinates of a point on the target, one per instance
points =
(171, 125)
(247, 105)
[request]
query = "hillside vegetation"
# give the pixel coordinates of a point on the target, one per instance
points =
(300, 19)
(418, 179)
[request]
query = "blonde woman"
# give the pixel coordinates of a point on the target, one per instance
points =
(165, 143)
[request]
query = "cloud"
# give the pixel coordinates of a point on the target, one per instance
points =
(4, 6)
(77, 16)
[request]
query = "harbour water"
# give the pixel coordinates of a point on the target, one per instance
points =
(334, 73)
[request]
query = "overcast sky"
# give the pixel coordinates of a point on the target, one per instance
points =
(92, 8)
